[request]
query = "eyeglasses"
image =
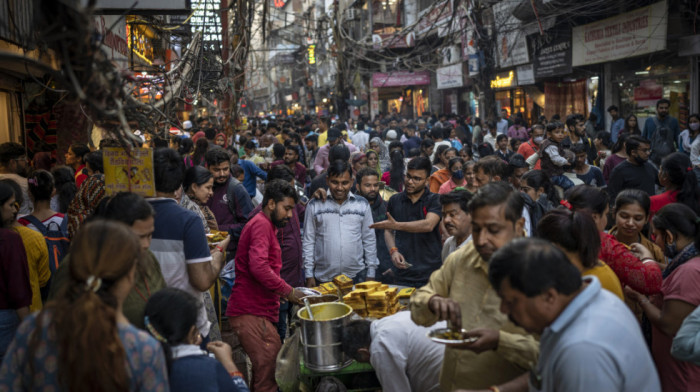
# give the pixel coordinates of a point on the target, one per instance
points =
(414, 179)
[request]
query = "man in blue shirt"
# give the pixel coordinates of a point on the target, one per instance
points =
(252, 171)
(661, 120)
(590, 341)
(617, 124)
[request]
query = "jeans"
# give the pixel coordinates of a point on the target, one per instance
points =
(285, 314)
(562, 181)
(360, 276)
(9, 321)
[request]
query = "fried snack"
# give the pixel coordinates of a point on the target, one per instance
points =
(343, 282)
(213, 238)
(451, 335)
(406, 293)
(372, 284)
(329, 288)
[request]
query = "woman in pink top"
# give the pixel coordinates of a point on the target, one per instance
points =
(518, 130)
(677, 177)
(676, 230)
(456, 168)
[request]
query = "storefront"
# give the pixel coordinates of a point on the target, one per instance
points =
(457, 95)
(401, 92)
(510, 95)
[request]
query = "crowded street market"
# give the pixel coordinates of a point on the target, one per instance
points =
(329, 196)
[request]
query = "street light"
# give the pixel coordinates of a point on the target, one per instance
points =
(325, 100)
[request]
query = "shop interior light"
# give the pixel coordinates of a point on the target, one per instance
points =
(642, 73)
(676, 81)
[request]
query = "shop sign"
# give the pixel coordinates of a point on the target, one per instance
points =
(114, 40)
(511, 41)
(450, 77)
(648, 90)
(436, 16)
(311, 51)
(129, 171)
(393, 41)
(400, 78)
(504, 80)
(140, 39)
(631, 34)
(525, 74)
(551, 54)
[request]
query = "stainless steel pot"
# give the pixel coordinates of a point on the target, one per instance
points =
(321, 338)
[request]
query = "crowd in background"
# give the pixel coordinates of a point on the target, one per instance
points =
(568, 251)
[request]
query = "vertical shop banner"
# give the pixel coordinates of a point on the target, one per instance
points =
(630, 34)
(129, 171)
(511, 40)
(374, 102)
(551, 54)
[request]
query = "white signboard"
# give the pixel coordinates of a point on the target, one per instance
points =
(526, 75)
(450, 77)
(631, 34)
(113, 41)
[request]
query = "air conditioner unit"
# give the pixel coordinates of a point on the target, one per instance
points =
(352, 14)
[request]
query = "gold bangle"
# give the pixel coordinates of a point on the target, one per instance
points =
(494, 388)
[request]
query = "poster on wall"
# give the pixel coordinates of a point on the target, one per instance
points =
(511, 41)
(129, 172)
(551, 54)
(450, 76)
(630, 34)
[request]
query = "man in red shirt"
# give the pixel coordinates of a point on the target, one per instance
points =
(533, 145)
(253, 307)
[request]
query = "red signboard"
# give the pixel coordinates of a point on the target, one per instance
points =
(400, 78)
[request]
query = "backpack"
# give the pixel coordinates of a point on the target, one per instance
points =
(661, 143)
(56, 239)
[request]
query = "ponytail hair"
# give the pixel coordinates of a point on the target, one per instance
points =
(679, 219)
(41, 185)
(679, 171)
(169, 316)
(83, 318)
(574, 231)
(64, 182)
(587, 198)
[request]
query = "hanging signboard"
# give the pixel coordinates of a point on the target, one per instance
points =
(511, 47)
(525, 74)
(630, 34)
(129, 173)
(551, 54)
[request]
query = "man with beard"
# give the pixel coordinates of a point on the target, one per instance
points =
(13, 166)
(456, 219)
(291, 160)
(460, 292)
(253, 307)
(230, 202)
(661, 120)
(367, 181)
(636, 172)
(576, 127)
(411, 227)
(337, 235)
(289, 238)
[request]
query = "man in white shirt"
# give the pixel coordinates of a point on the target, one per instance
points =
(456, 219)
(503, 123)
(400, 352)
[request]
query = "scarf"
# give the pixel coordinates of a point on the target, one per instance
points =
(686, 254)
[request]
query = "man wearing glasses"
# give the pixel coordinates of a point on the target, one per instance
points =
(411, 229)
(14, 165)
(636, 172)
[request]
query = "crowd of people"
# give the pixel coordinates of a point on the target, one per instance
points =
(569, 254)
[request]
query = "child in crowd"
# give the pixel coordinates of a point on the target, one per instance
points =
(554, 157)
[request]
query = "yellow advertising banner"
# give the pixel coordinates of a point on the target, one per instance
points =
(129, 171)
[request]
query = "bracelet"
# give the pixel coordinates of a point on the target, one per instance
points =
(236, 374)
(648, 259)
(219, 248)
(644, 301)
(494, 388)
(393, 250)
